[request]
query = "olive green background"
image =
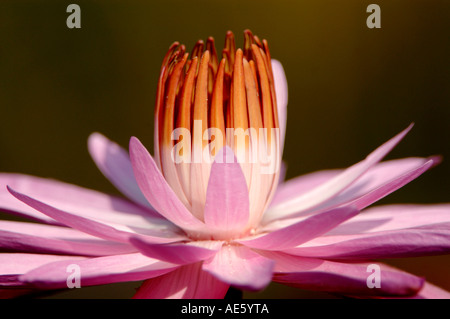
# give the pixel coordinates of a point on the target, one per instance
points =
(350, 88)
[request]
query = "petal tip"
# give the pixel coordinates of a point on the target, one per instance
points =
(93, 139)
(436, 159)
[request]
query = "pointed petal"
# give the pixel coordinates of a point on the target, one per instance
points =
(374, 178)
(391, 186)
(377, 183)
(241, 267)
(13, 265)
(199, 175)
(180, 254)
(114, 162)
(19, 263)
(302, 231)
(156, 189)
(300, 185)
(393, 217)
(93, 227)
(402, 228)
(430, 291)
(8, 281)
(281, 91)
(412, 242)
(342, 278)
(97, 271)
(27, 237)
(380, 181)
(334, 186)
(227, 201)
(71, 198)
(186, 282)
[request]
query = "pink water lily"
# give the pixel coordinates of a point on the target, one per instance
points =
(195, 223)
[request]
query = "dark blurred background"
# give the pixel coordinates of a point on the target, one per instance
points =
(350, 88)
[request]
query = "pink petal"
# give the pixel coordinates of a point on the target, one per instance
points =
(377, 183)
(71, 198)
(342, 278)
(281, 92)
(299, 185)
(180, 254)
(198, 183)
(301, 231)
(19, 263)
(334, 186)
(227, 201)
(97, 271)
(13, 265)
(398, 221)
(380, 181)
(187, 282)
(391, 186)
(27, 237)
(241, 267)
(114, 162)
(392, 217)
(374, 178)
(171, 174)
(156, 189)
(11, 281)
(430, 291)
(92, 227)
(411, 242)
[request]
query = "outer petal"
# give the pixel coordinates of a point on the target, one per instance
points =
(302, 231)
(227, 202)
(393, 217)
(375, 177)
(18, 263)
(97, 271)
(381, 181)
(71, 198)
(334, 186)
(12, 265)
(156, 189)
(342, 278)
(385, 231)
(302, 184)
(27, 237)
(411, 242)
(114, 162)
(281, 91)
(95, 228)
(430, 291)
(241, 267)
(187, 282)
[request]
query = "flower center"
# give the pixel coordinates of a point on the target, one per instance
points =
(204, 104)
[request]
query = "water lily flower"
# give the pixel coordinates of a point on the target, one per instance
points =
(210, 209)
